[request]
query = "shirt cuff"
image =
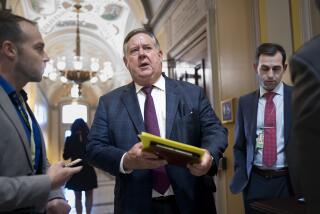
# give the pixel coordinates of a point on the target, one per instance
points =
(121, 166)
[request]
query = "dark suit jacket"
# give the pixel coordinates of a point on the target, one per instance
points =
(304, 153)
(20, 188)
(245, 136)
(189, 119)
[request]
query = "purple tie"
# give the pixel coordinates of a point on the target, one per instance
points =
(270, 131)
(160, 179)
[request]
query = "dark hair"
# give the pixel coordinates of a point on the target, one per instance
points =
(10, 28)
(79, 126)
(136, 31)
(270, 49)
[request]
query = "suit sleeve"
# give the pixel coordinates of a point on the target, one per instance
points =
(239, 150)
(214, 135)
(24, 192)
(101, 152)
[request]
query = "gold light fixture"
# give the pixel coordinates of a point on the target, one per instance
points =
(77, 74)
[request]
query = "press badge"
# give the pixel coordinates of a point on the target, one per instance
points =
(259, 144)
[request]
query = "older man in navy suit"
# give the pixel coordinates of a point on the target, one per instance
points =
(262, 132)
(181, 112)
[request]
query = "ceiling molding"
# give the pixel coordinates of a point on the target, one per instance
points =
(194, 35)
(161, 12)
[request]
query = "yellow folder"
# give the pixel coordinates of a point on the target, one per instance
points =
(174, 152)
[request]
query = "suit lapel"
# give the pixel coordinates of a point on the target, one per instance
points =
(8, 108)
(130, 100)
(252, 112)
(171, 105)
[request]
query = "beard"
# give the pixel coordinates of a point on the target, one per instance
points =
(28, 71)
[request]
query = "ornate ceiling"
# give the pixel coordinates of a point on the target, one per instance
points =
(103, 25)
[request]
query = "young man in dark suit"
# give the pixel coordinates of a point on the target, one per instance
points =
(180, 112)
(262, 132)
(304, 153)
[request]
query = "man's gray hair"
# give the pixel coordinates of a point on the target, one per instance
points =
(137, 31)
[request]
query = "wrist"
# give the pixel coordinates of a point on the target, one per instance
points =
(124, 168)
(125, 162)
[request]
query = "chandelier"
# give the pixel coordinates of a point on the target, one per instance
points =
(57, 69)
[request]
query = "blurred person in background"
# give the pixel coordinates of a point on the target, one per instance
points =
(262, 132)
(86, 179)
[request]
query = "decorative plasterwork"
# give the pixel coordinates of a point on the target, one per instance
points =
(103, 25)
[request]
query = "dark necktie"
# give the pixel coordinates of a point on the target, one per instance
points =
(160, 179)
(270, 131)
(18, 101)
(32, 131)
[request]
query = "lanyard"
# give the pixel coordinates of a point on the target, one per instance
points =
(23, 110)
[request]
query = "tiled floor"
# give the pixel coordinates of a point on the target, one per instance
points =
(102, 196)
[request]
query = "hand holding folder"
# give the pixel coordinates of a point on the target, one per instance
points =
(174, 152)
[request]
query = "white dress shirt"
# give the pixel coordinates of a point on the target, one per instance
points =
(278, 101)
(158, 94)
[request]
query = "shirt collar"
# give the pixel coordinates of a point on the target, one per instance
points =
(10, 90)
(160, 84)
(278, 90)
(6, 86)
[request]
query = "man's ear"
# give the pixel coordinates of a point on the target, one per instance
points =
(125, 61)
(9, 49)
(160, 54)
(285, 67)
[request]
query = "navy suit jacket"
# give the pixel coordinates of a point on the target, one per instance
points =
(245, 136)
(304, 151)
(189, 119)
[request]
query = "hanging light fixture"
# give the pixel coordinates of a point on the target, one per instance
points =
(77, 74)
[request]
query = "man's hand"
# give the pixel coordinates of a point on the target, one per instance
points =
(138, 159)
(59, 174)
(58, 206)
(202, 168)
